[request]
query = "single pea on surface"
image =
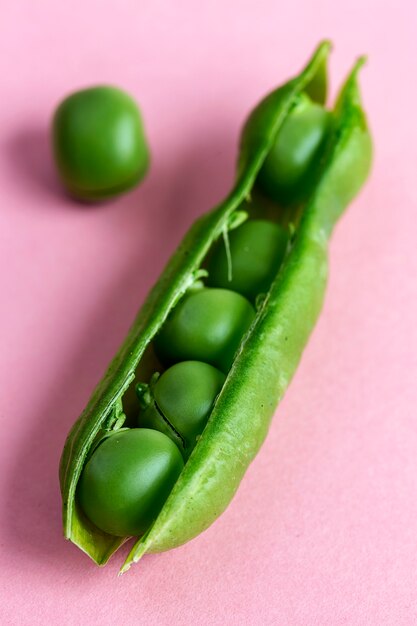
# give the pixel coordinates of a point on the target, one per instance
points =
(257, 249)
(127, 479)
(289, 170)
(99, 144)
(206, 325)
(183, 397)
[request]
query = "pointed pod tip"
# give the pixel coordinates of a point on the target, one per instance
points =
(129, 562)
(326, 43)
(350, 92)
(136, 553)
(323, 48)
(125, 567)
(362, 60)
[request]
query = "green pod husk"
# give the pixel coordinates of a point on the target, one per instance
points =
(272, 348)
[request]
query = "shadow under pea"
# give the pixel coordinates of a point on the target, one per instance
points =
(29, 154)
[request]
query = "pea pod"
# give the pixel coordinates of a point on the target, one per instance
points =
(270, 350)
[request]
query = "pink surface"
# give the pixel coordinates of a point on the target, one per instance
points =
(324, 527)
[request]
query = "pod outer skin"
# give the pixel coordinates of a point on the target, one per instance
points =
(270, 351)
(270, 354)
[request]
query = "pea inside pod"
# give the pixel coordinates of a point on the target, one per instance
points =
(180, 401)
(260, 361)
(207, 325)
(291, 165)
(127, 479)
(256, 251)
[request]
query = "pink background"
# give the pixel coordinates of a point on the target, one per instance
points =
(324, 527)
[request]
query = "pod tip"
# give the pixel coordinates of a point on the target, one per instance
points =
(326, 43)
(324, 47)
(362, 60)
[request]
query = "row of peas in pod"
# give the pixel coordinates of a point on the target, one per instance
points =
(129, 475)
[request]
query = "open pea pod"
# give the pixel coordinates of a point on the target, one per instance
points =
(270, 351)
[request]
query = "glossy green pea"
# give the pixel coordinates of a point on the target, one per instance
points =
(183, 397)
(207, 325)
(99, 144)
(127, 479)
(291, 165)
(257, 249)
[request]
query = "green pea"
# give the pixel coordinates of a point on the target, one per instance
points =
(288, 172)
(207, 325)
(257, 249)
(127, 480)
(99, 144)
(184, 396)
